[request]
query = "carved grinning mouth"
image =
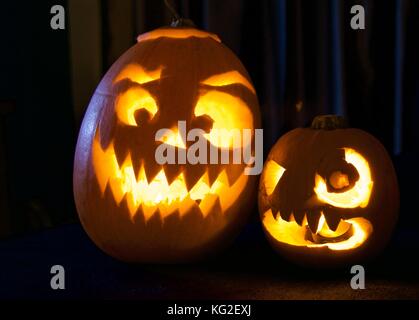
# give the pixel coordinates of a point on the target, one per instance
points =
(348, 234)
(142, 195)
(320, 226)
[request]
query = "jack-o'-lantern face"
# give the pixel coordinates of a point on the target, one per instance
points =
(129, 167)
(328, 197)
(174, 80)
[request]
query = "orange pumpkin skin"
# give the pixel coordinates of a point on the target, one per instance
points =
(167, 66)
(324, 150)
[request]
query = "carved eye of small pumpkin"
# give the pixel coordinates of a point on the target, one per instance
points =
(356, 196)
(272, 174)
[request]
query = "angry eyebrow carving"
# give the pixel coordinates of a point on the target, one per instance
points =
(137, 73)
(227, 78)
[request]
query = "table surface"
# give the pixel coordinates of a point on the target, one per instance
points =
(249, 269)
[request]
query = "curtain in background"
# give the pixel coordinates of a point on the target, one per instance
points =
(36, 119)
(303, 57)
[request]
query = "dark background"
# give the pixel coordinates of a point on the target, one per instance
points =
(304, 60)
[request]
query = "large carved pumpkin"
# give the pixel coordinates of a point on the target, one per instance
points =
(134, 208)
(328, 195)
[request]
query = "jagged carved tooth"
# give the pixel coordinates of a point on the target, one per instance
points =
(207, 204)
(132, 204)
(172, 171)
(214, 171)
(216, 210)
(166, 210)
(291, 217)
(332, 218)
(275, 214)
(227, 194)
(170, 221)
(137, 165)
(116, 189)
(129, 208)
(285, 214)
(222, 179)
(148, 211)
(322, 222)
(299, 216)
(121, 153)
(142, 179)
(308, 236)
(193, 174)
(108, 195)
(155, 221)
(234, 171)
(193, 213)
(99, 158)
(187, 205)
(126, 168)
(200, 189)
(139, 218)
(313, 217)
(151, 169)
(276, 206)
(123, 205)
(304, 223)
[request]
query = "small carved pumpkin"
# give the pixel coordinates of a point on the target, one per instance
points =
(328, 195)
(134, 208)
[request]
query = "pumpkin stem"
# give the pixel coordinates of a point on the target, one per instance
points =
(172, 10)
(329, 122)
(177, 20)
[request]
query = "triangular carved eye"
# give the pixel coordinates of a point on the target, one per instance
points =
(271, 176)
